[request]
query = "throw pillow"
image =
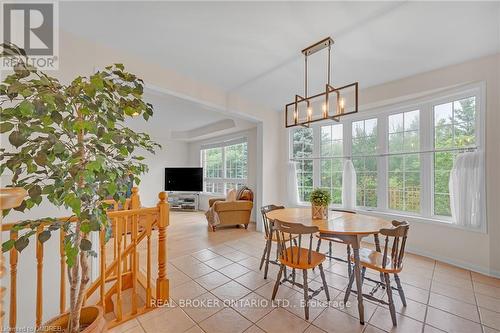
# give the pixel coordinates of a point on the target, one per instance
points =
(231, 195)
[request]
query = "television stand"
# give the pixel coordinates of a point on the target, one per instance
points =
(186, 202)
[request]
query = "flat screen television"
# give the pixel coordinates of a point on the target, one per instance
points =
(184, 179)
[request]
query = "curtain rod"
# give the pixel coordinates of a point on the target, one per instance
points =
(465, 149)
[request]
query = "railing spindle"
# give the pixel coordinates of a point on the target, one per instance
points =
(14, 256)
(119, 314)
(135, 262)
(102, 268)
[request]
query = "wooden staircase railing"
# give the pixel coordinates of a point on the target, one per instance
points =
(122, 269)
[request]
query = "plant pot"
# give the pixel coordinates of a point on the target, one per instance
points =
(319, 212)
(91, 321)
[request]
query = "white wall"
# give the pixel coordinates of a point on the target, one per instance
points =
(172, 154)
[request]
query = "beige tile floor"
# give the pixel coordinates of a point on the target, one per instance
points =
(220, 289)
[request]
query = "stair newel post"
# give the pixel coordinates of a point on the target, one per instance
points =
(135, 201)
(162, 287)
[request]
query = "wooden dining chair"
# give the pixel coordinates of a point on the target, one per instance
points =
(271, 238)
(330, 241)
(298, 258)
(390, 261)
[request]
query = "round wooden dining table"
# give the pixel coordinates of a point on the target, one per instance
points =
(348, 227)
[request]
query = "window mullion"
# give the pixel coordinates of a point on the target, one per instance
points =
(382, 172)
(316, 153)
(224, 175)
(426, 160)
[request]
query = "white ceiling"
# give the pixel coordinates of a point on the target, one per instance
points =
(254, 48)
(178, 119)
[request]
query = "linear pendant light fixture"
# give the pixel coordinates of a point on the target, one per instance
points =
(333, 103)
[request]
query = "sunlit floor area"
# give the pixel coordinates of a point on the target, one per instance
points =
(216, 286)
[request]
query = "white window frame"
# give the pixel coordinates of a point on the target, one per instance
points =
(224, 181)
(425, 105)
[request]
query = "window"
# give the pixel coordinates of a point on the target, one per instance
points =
(454, 127)
(404, 167)
(364, 145)
(302, 151)
(225, 166)
(402, 155)
(332, 148)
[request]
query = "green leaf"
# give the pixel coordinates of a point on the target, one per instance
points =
(21, 243)
(97, 82)
(41, 158)
(17, 139)
(85, 227)
(111, 188)
(8, 245)
(6, 127)
(35, 191)
(56, 117)
(44, 236)
(85, 245)
(26, 108)
(130, 111)
(71, 253)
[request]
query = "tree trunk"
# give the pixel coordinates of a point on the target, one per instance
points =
(75, 316)
(75, 282)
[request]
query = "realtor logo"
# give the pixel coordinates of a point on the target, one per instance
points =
(32, 27)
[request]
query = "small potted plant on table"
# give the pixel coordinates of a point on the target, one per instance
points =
(320, 199)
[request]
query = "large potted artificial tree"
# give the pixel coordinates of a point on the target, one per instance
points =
(71, 147)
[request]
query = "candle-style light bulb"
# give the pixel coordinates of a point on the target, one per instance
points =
(342, 105)
(325, 110)
(309, 113)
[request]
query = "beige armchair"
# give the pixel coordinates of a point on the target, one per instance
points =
(231, 212)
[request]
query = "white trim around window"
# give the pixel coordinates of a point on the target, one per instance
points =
(221, 183)
(426, 150)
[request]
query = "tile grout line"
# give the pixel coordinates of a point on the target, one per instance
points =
(429, 297)
(477, 305)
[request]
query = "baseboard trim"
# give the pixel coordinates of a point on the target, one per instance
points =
(454, 262)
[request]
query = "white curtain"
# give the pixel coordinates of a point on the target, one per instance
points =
(466, 190)
(348, 185)
(293, 186)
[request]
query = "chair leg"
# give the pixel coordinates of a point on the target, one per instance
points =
(400, 289)
(325, 286)
(349, 287)
(363, 272)
(263, 255)
(392, 309)
(349, 266)
(330, 251)
(277, 284)
(267, 260)
(306, 294)
(318, 245)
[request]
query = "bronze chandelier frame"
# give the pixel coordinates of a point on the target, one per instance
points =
(329, 89)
